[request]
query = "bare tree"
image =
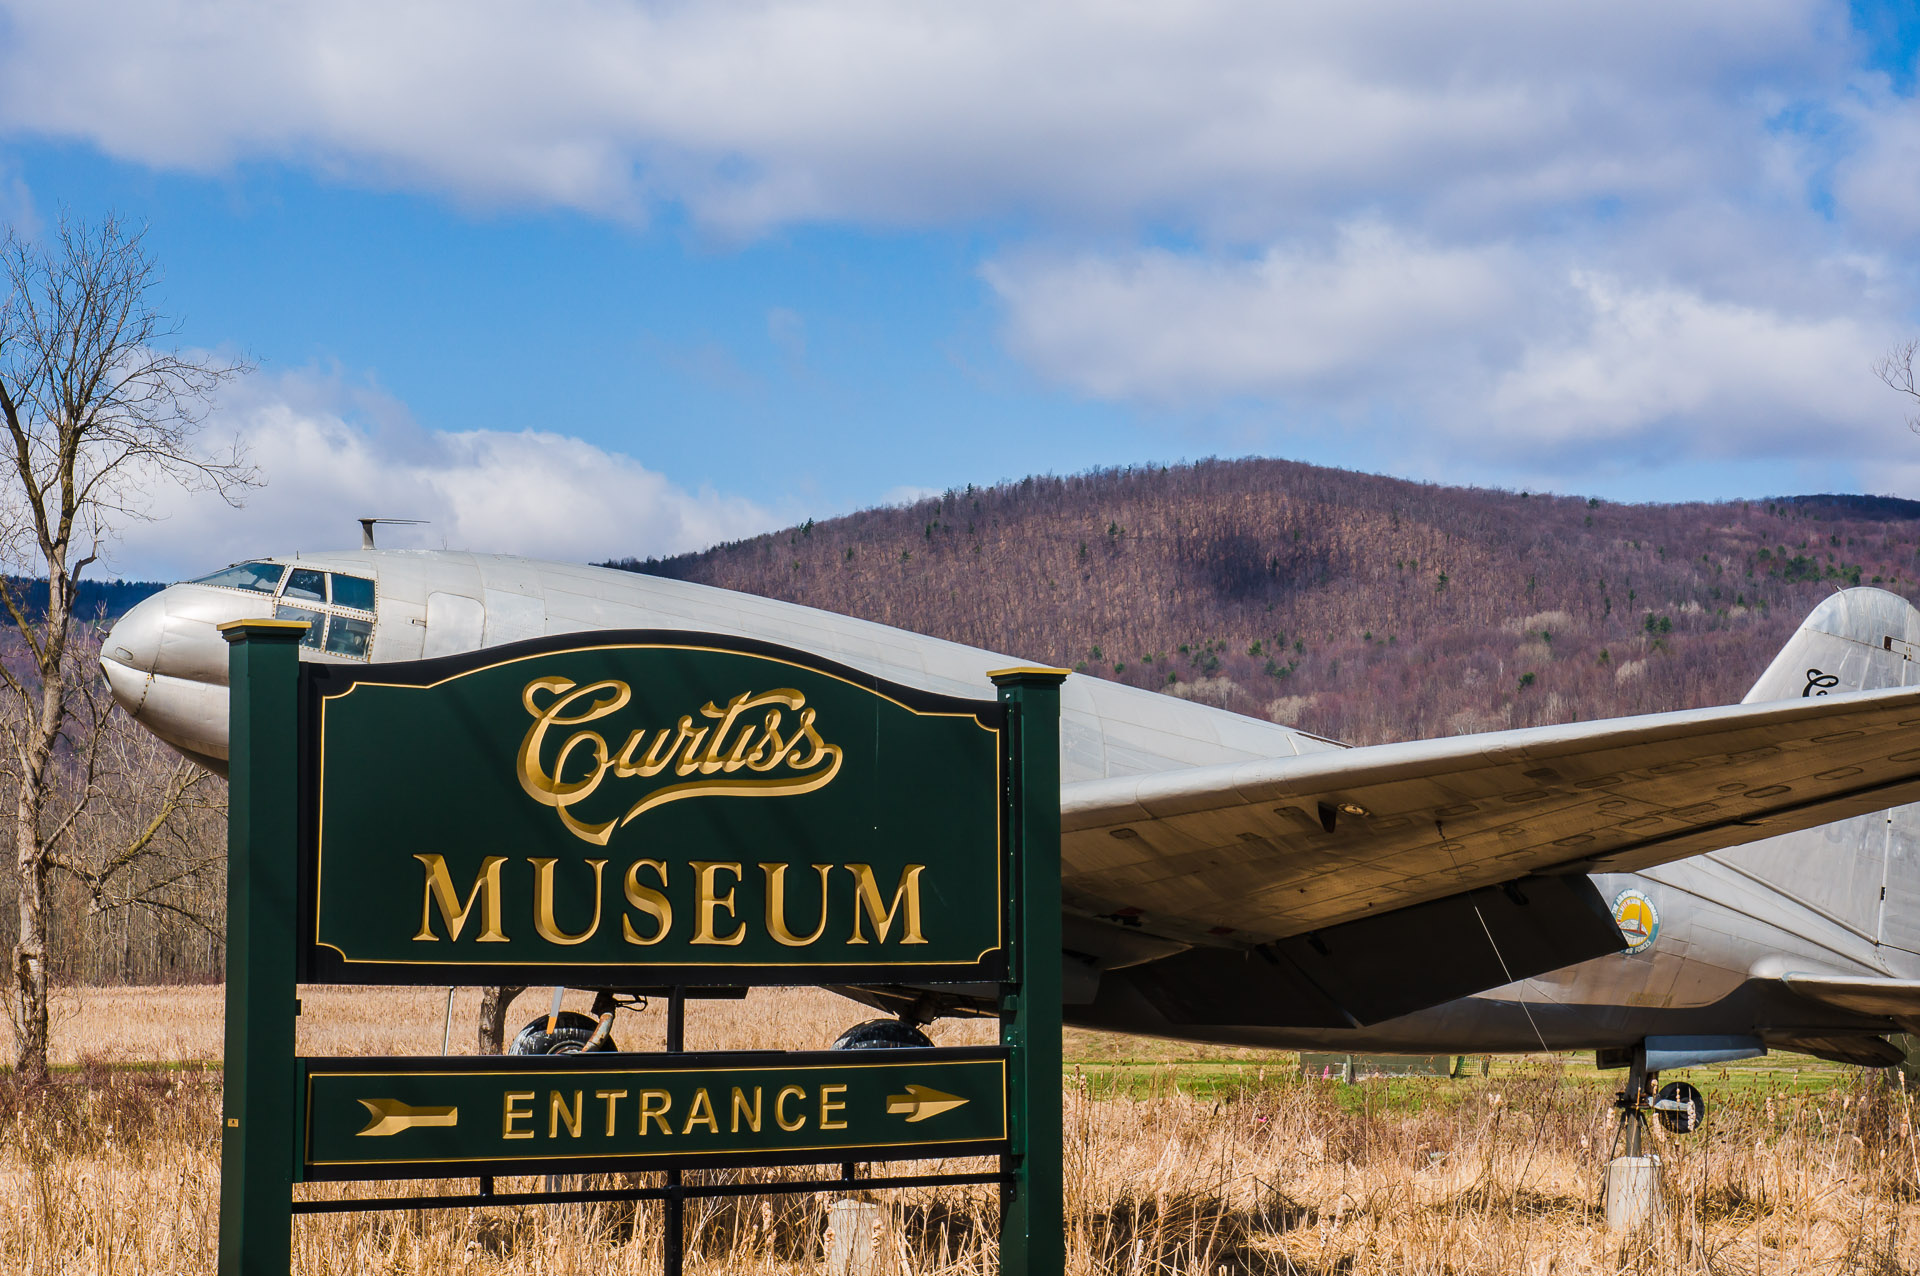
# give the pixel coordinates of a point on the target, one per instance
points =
(98, 414)
(1896, 369)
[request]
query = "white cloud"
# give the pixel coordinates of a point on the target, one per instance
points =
(1875, 181)
(1655, 226)
(1729, 378)
(1168, 326)
(1230, 114)
(532, 492)
(1493, 352)
(908, 494)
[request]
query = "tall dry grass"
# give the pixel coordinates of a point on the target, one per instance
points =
(115, 1170)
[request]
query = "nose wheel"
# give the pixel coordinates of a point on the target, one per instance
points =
(1679, 1107)
(881, 1034)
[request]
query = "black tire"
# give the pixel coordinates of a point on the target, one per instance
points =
(569, 1036)
(881, 1034)
(1686, 1118)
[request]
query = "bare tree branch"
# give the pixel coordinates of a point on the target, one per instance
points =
(98, 412)
(1896, 369)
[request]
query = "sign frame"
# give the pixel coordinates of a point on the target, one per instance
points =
(540, 1072)
(322, 684)
(272, 892)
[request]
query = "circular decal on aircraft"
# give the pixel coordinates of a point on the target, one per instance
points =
(1638, 920)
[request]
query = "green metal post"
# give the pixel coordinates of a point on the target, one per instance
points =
(1032, 1221)
(257, 1136)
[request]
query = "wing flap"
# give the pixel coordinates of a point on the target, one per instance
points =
(1253, 852)
(1859, 994)
(1382, 967)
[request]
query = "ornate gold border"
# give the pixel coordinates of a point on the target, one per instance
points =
(306, 1141)
(320, 798)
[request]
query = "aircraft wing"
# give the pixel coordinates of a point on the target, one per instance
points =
(1245, 854)
(1861, 994)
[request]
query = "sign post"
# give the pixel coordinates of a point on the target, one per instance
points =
(257, 1135)
(650, 811)
(1032, 1223)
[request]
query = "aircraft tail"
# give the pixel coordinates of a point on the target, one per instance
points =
(1857, 640)
(1863, 872)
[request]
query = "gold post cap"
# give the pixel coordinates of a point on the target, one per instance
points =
(1000, 677)
(234, 629)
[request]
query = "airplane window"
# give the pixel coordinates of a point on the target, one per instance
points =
(353, 591)
(258, 577)
(349, 637)
(306, 585)
(316, 624)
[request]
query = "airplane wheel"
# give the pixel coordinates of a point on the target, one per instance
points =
(1681, 1107)
(881, 1034)
(569, 1036)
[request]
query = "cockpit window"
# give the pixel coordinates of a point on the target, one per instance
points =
(316, 624)
(349, 637)
(354, 592)
(257, 577)
(306, 585)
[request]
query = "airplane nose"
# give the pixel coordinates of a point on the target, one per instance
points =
(134, 641)
(166, 664)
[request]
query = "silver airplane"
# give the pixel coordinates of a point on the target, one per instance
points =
(1665, 890)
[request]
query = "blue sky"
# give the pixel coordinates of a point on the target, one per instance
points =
(589, 279)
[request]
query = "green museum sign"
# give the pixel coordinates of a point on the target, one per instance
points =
(568, 1113)
(647, 811)
(650, 809)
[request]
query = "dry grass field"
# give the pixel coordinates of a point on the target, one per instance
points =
(1178, 1160)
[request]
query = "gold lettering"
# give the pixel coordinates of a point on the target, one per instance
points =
(609, 1097)
(439, 890)
(509, 1114)
(736, 757)
(714, 753)
(689, 754)
(707, 902)
(780, 1108)
(648, 1112)
(653, 763)
(827, 1109)
(558, 1112)
(867, 902)
(777, 905)
(648, 900)
(811, 737)
(740, 1106)
(767, 754)
(543, 904)
(554, 790)
(701, 1103)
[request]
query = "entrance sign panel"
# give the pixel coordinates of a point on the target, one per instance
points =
(381, 1118)
(638, 811)
(650, 808)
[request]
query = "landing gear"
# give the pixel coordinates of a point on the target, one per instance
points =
(881, 1034)
(1633, 1104)
(568, 1032)
(1679, 1106)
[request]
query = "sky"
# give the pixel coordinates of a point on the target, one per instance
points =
(591, 279)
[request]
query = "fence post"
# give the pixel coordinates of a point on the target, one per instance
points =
(258, 1124)
(1032, 1223)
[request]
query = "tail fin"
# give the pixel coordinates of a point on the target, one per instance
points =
(1863, 872)
(1857, 640)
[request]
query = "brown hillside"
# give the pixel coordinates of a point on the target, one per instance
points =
(1359, 607)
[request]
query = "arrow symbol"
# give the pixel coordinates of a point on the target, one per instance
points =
(921, 1102)
(390, 1116)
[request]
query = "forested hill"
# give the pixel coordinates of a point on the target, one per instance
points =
(1359, 607)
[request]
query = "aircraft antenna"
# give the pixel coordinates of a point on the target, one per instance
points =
(1446, 844)
(366, 528)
